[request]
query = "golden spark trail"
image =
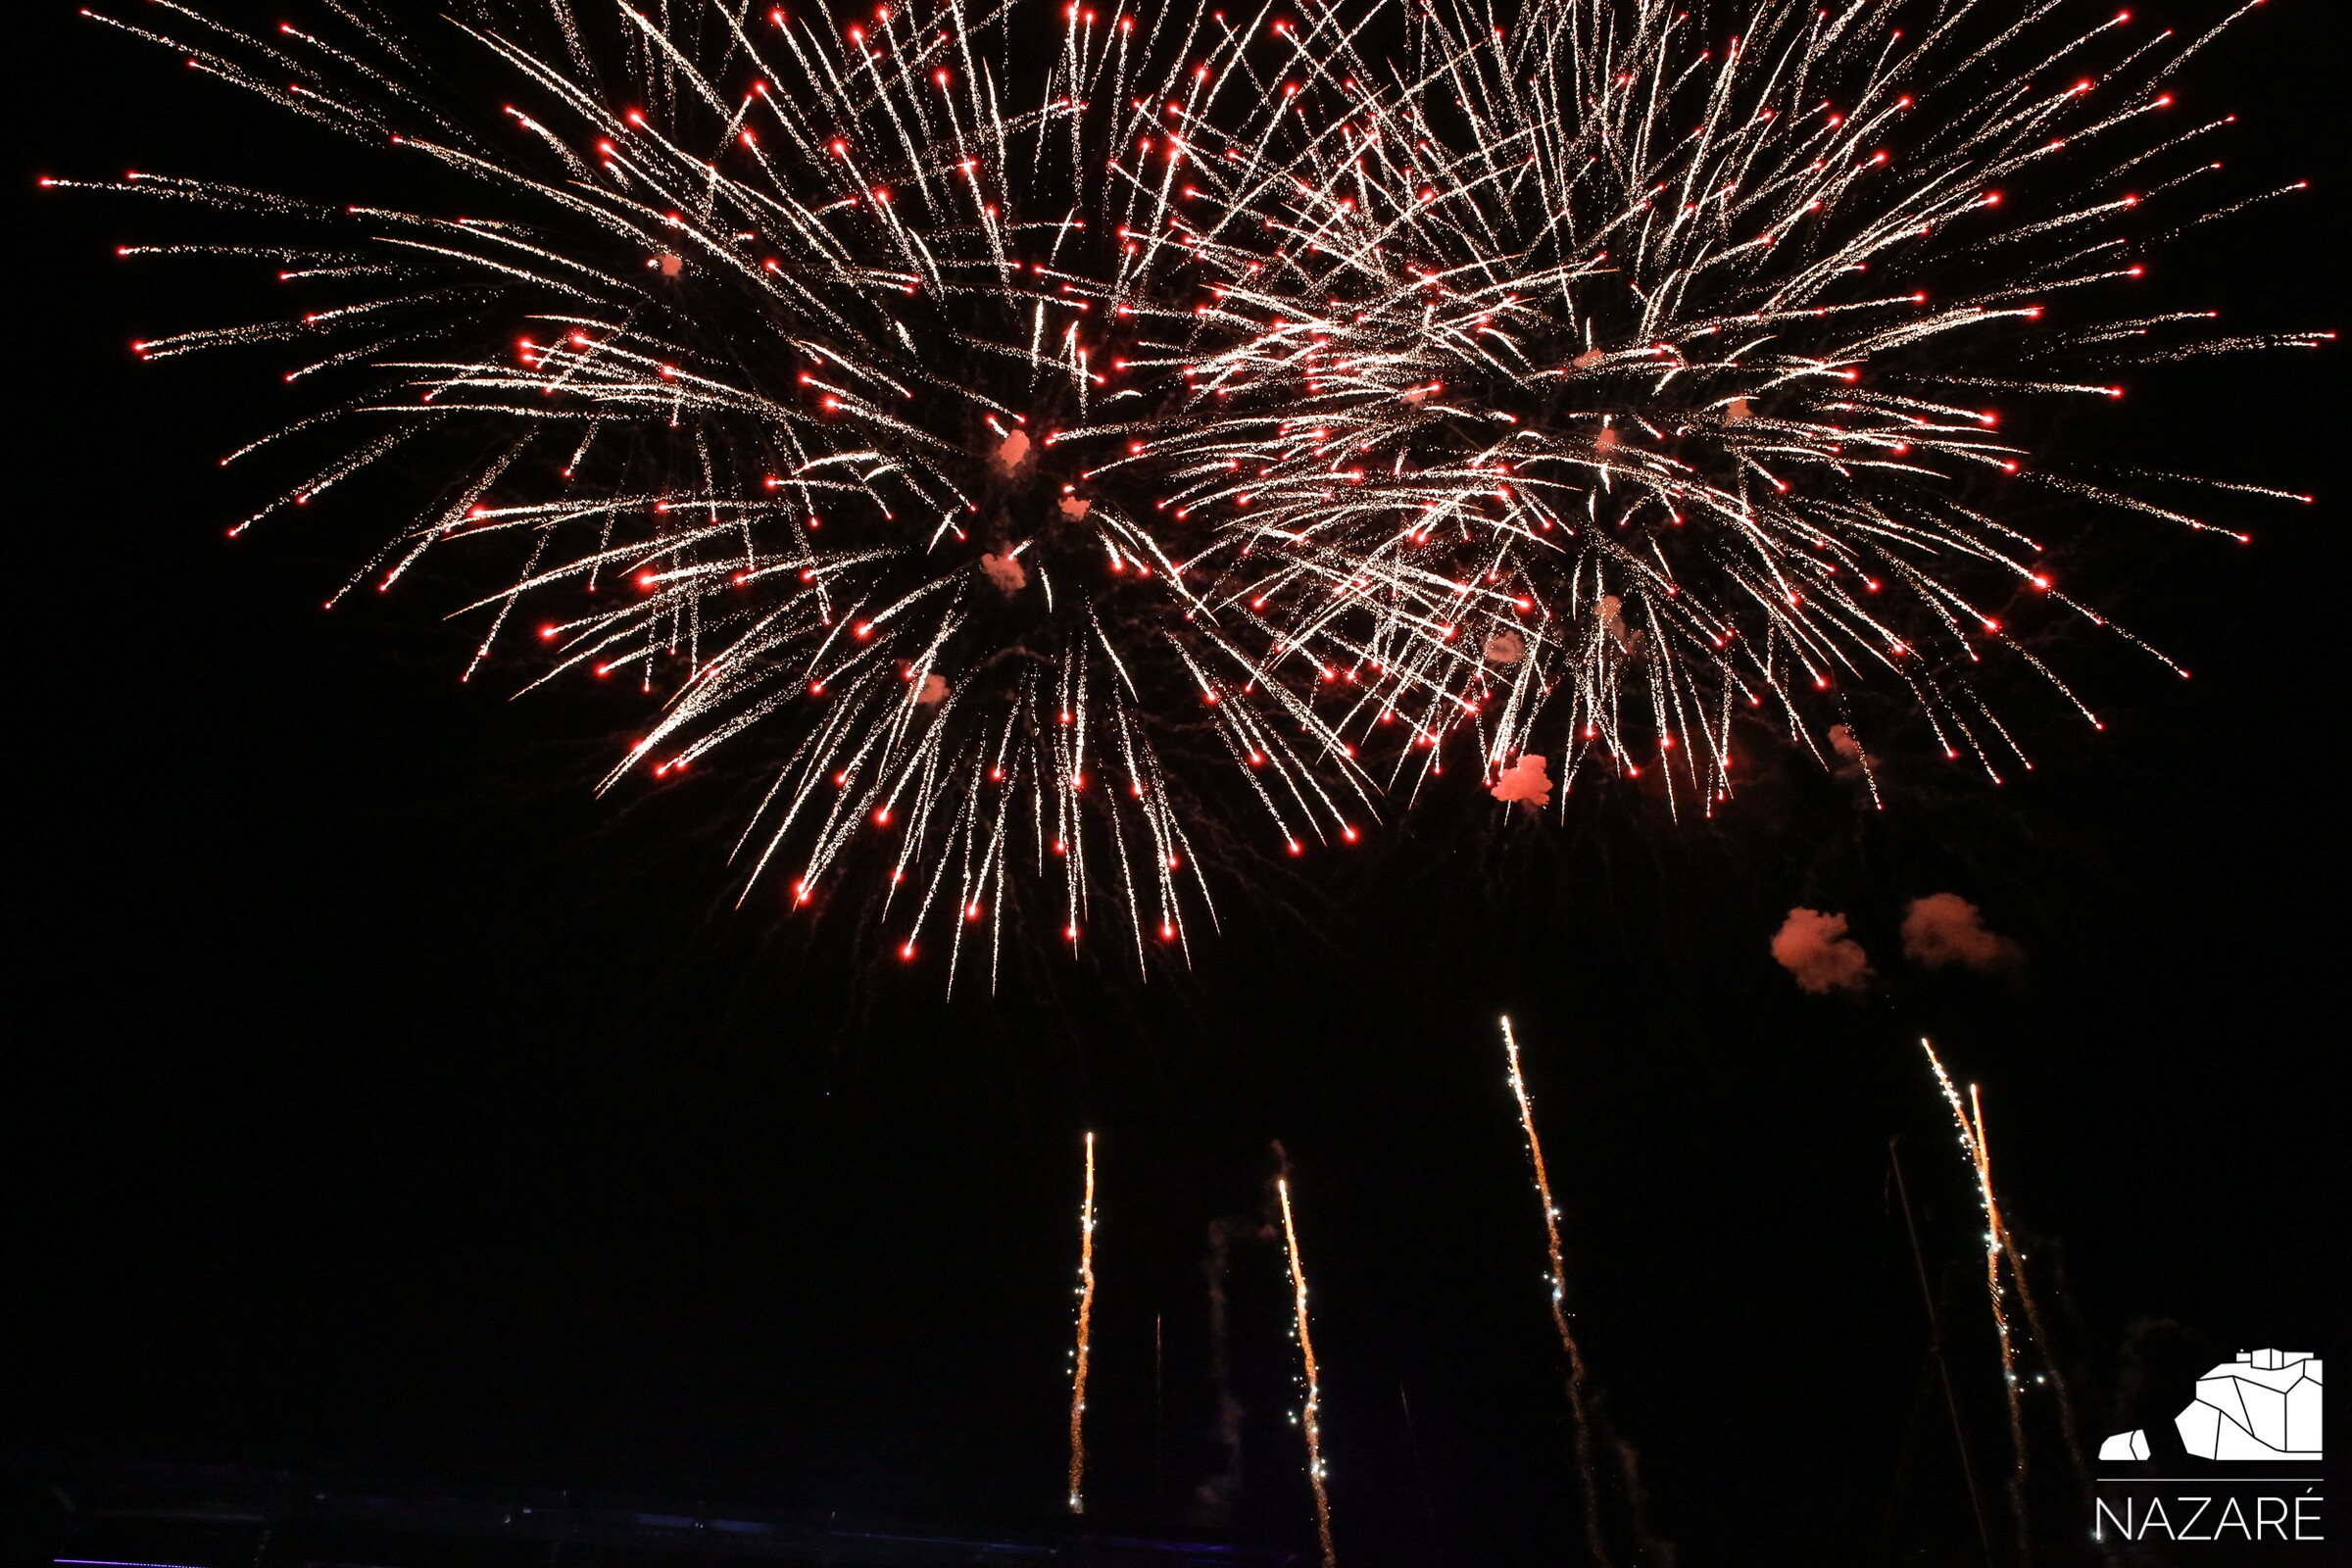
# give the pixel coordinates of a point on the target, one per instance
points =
(2068, 1426)
(1086, 1314)
(1311, 1419)
(1560, 1303)
(1971, 1122)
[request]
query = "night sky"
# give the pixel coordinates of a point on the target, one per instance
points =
(384, 1102)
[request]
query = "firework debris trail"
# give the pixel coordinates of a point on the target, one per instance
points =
(1044, 438)
(1086, 1319)
(1559, 1304)
(1312, 1414)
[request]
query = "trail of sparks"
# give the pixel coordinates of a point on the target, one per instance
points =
(1970, 1119)
(1086, 1317)
(2069, 1427)
(1311, 1416)
(1559, 1303)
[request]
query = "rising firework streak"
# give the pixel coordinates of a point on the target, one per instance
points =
(1311, 1416)
(1970, 1119)
(1086, 1318)
(1559, 1303)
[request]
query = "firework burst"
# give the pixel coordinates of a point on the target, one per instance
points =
(1615, 377)
(799, 363)
(1036, 436)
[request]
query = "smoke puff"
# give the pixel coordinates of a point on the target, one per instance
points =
(932, 691)
(1524, 780)
(1943, 929)
(1813, 946)
(1843, 742)
(1611, 610)
(1005, 572)
(1505, 647)
(1074, 506)
(1012, 452)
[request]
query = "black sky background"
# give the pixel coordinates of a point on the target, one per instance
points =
(383, 1101)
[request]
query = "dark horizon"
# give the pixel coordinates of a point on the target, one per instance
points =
(391, 1105)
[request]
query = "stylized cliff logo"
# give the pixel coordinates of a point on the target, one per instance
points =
(2263, 1406)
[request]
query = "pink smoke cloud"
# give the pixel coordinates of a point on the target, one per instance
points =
(932, 692)
(1611, 610)
(1813, 946)
(1525, 781)
(1005, 572)
(1943, 929)
(1012, 452)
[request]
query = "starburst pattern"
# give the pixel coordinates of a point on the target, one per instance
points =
(1613, 377)
(1037, 436)
(792, 372)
